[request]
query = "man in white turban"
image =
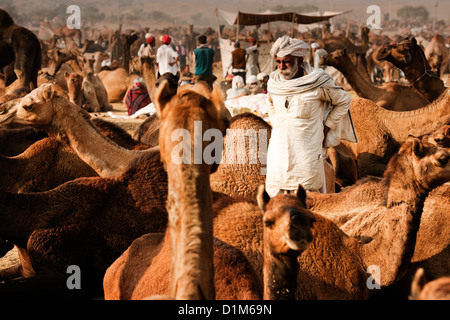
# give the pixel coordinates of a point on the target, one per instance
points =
(306, 110)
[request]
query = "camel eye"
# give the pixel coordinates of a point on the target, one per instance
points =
(443, 160)
(28, 107)
(269, 223)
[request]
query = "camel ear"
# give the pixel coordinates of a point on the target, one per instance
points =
(66, 74)
(414, 41)
(417, 284)
(262, 197)
(301, 194)
(48, 91)
(416, 146)
(345, 51)
(162, 97)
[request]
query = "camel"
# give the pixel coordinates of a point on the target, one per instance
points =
(380, 132)
(20, 46)
(188, 244)
(116, 82)
(437, 55)
(410, 57)
(242, 168)
(44, 108)
(87, 222)
(355, 211)
(46, 164)
(189, 201)
(339, 265)
(392, 96)
(438, 289)
(287, 233)
(17, 140)
(95, 95)
(74, 87)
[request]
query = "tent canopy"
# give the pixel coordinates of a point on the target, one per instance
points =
(250, 19)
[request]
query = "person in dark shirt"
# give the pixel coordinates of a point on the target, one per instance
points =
(203, 62)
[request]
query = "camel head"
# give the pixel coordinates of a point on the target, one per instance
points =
(287, 222)
(428, 165)
(34, 109)
(399, 54)
(195, 109)
(334, 58)
(74, 81)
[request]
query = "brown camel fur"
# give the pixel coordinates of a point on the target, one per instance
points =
(410, 57)
(87, 222)
(287, 233)
(17, 140)
(189, 202)
(45, 109)
(117, 82)
(392, 96)
(438, 289)
(44, 165)
(242, 168)
(380, 132)
(181, 263)
(335, 267)
(355, 211)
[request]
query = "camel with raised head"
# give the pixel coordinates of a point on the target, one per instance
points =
(380, 132)
(45, 109)
(74, 87)
(392, 96)
(337, 261)
(410, 57)
(180, 264)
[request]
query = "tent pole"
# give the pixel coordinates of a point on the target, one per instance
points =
(218, 24)
(237, 28)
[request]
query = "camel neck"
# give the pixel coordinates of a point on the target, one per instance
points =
(103, 155)
(393, 247)
(420, 77)
(280, 275)
(361, 85)
(189, 205)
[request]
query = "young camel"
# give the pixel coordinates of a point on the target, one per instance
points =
(410, 57)
(392, 96)
(46, 109)
(380, 132)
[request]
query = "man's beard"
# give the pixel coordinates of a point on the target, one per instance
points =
(290, 72)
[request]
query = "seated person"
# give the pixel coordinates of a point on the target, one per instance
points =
(238, 88)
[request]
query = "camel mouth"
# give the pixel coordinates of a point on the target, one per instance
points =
(297, 245)
(6, 117)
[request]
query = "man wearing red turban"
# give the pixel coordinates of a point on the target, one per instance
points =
(166, 57)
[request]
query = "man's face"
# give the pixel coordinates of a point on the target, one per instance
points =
(288, 66)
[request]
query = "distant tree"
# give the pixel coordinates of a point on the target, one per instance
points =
(419, 14)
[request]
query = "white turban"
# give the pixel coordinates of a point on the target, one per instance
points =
(287, 45)
(315, 45)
